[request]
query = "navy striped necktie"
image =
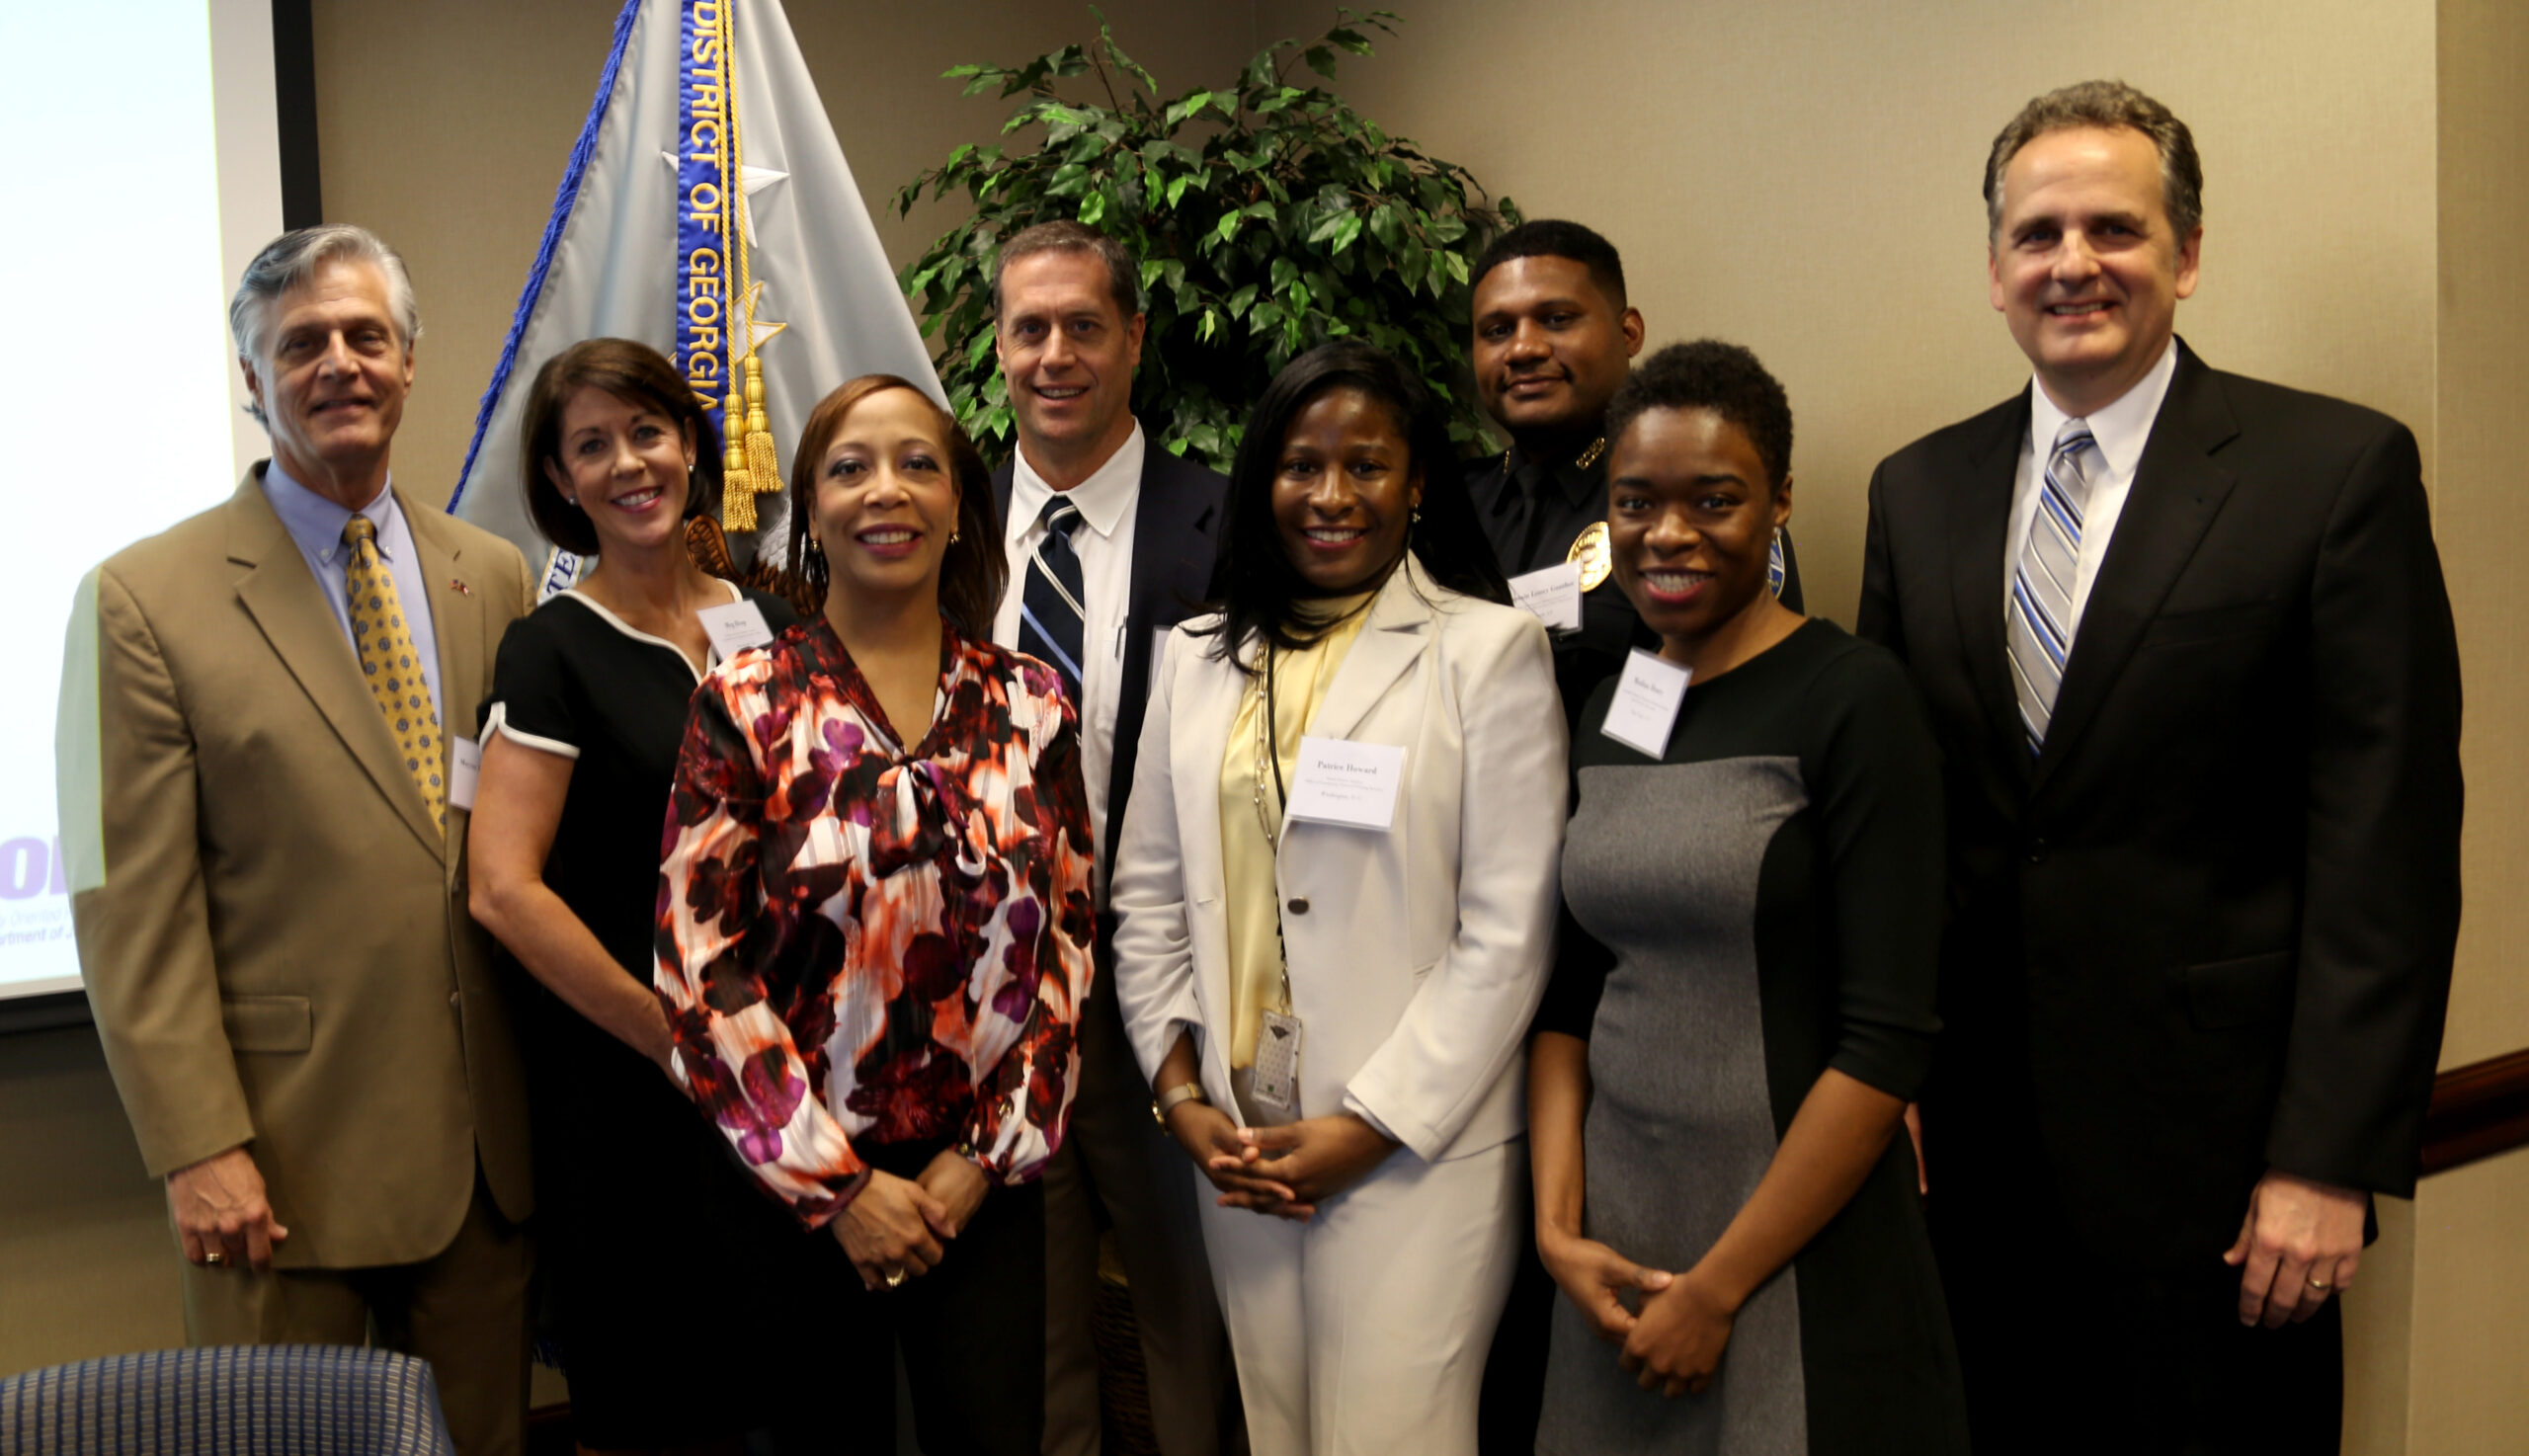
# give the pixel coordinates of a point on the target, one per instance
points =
(1053, 616)
(2039, 624)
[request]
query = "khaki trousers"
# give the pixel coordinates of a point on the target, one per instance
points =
(464, 1310)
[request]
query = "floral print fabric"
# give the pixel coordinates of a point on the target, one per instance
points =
(860, 944)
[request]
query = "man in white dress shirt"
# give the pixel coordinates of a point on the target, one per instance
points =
(1110, 543)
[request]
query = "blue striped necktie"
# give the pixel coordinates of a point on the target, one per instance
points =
(2039, 624)
(1052, 619)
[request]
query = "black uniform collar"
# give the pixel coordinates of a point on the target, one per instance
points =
(1579, 474)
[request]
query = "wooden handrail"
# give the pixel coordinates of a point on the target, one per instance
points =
(2477, 1110)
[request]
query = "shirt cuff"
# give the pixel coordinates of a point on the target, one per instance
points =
(1361, 1109)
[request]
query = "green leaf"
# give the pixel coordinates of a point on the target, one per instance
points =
(1185, 106)
(1387, 226)
(1285, 213)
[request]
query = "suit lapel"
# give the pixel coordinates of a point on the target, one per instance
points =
(1201, 710)
(2178, 491)
(1391, 639)
(1165, 522)
(1979, 522)
(289, 606)
(457, 620)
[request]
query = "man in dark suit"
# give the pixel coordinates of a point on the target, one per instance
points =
(1110, 543)
(2185, 643)
(1553, 338)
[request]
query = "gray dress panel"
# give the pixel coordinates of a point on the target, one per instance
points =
(1663, 861)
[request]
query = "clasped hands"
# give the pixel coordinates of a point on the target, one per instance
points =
(898, 1228)
(1672, 1335)
(1284, 1172)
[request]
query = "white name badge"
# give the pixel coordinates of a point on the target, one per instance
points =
(1339, 782)
(735, 627)
(1645, 703)
(465, 765)
(1552, 595)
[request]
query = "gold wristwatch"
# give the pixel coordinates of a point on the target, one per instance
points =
(1166, 1103)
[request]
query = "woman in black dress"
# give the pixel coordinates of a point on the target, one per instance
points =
(646, 1225)
(1742, 1000)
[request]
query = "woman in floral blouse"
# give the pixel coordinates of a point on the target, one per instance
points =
(875, 922)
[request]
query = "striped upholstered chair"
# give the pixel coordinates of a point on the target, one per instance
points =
(287, 1400)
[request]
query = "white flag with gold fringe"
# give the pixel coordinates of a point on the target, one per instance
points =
(706, 211)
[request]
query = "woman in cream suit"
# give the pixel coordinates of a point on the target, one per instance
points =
(1336, 888)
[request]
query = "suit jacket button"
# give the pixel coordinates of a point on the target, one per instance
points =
(2037, 851)
(457, 998)
(1298, 906)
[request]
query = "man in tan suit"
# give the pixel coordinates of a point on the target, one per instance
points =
(266, 825)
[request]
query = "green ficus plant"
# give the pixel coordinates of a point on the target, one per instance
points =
(1269, 217)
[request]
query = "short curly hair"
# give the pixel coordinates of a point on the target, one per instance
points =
(1725, 379)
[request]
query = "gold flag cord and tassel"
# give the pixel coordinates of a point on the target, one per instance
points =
(749, 465)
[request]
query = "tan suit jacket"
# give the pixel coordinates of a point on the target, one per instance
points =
(275, 939)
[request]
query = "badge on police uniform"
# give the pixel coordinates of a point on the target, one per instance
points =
(1590, 553)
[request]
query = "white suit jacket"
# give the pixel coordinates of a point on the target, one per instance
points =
(1417, 954)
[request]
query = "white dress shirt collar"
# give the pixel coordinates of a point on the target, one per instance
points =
(1109, 491)
(2120, 430)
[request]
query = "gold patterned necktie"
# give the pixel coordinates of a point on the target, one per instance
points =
(391, 664)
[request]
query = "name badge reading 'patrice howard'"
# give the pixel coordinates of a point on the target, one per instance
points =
(1348, 783)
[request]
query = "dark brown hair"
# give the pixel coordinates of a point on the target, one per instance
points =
(1062, 235)
(636, 374)
(971, 573)
(2107, 106)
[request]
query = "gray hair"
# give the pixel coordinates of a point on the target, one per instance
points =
(2108, 105)
(291, 261)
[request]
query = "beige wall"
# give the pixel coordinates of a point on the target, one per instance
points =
(2469, 1265)
(2481, 507)
(1799, 177)
(1802, 178)
(86, 1266)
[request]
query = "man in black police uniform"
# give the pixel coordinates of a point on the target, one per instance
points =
(1553, 339)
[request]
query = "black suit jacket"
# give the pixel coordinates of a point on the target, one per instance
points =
(1176, 521)
(2209, 930)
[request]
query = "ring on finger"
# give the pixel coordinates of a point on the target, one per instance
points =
(214, 1257)
(2320, 1285)
(895, 1277)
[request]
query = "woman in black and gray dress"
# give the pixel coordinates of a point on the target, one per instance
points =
(1742, 1001)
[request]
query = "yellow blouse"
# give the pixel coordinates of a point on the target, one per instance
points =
(1251, 894)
